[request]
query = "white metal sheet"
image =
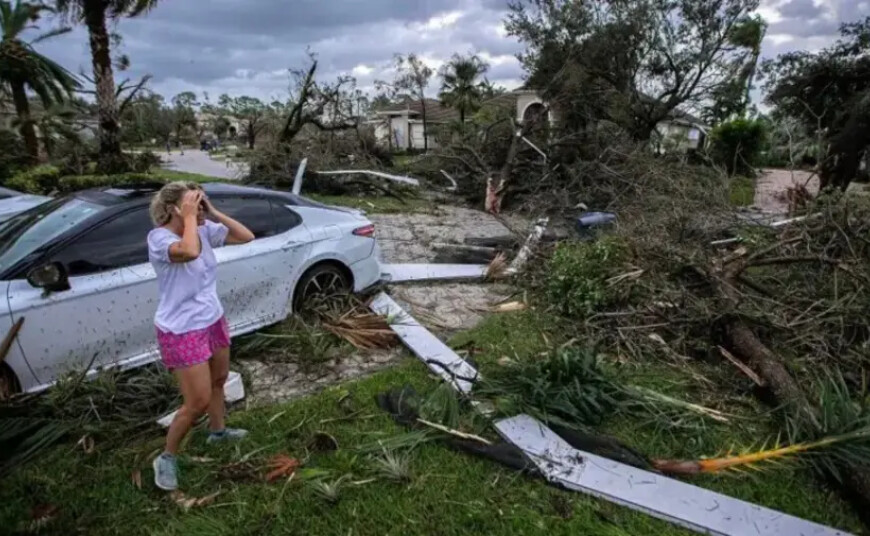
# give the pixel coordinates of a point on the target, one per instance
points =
(394, 178)
(692, 507)
(403, 273)
(437, 355)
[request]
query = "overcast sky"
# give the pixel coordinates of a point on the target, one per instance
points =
(246, 46)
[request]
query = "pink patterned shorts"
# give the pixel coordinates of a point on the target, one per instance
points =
(194, 347)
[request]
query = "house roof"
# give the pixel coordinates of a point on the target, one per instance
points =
(436, 112)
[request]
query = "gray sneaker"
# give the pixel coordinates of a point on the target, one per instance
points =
(227, 434)
(166, 472)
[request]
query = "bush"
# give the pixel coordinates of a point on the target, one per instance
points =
(39, 180)
(75, 183)
(738, 145)
(578, 273)
(144, 161)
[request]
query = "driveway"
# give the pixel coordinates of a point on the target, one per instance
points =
(196, 161)
(771, 188)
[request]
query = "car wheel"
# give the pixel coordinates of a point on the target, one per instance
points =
(321, 281)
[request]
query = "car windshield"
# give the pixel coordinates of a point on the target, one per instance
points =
(25, 233)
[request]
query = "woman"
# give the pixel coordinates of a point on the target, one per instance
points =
(192, 331)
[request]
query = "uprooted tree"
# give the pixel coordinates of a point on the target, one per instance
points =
(829, 93)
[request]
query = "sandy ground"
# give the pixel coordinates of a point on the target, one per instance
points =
(443, 308)
(196, 161)
(771, 187)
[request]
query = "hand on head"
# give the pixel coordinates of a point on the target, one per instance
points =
(190, 204)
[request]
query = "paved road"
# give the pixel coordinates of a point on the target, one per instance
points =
(200, 162)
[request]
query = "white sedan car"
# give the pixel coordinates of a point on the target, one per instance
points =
(12, 202)
(76, 270)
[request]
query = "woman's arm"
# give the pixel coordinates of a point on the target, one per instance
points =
(188, 248)
(239, 234)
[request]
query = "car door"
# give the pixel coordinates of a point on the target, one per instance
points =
(92, 322)
(255, 280)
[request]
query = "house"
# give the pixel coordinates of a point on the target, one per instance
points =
(400, 126)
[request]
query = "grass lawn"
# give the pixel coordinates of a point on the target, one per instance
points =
(742, 193)
(174, 175)
(447, 493)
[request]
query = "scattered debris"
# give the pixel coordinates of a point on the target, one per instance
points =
(683, 504)
(393, 466)
(300, 174)
(510, 307)
(497, 269)
(453, 183)
(282, 466)
(40, 516)
(437, 355)
(323, 442)
(743, 368)
(10, 338)
(329, 491)
(136, 478)
(186, 503)
(403, 273)
(86, 443)
(395, 178)
(363, 329)
(528, 248)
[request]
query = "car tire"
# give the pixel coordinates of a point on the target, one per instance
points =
(322, 280)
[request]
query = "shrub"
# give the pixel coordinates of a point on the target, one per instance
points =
(38, 180)
(578, 273)
(75, 183)
(144, 161)
(738, 145)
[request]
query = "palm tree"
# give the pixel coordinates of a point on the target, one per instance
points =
(94, 14)
(21, 67)
(460, 87)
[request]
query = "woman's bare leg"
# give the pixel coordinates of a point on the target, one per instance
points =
(219, 366)
(195, 383)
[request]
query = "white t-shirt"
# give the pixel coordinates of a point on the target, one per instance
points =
(188, 290)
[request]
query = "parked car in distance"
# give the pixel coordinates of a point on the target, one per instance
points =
(76, 270)
(12, 202)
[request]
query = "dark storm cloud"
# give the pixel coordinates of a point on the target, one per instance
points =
(805, 9)
(248, 45)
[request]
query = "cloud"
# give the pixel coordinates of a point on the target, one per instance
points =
(247, 47)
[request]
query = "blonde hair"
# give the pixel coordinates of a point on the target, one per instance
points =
(168, 197)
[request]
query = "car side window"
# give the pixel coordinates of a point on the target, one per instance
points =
(254, 212)
(285, 219)
(119, 242)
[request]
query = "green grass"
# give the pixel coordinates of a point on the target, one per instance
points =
(173, 175)
(791, 489)
(448, 492)
(375, 205)
(742, 191)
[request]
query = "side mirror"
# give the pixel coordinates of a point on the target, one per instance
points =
(49, 277)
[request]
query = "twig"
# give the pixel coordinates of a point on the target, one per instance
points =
(743, 368)
(456, 433)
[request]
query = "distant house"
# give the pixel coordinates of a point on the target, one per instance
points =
(400, 126)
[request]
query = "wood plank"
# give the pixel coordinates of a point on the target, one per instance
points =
(403, 273)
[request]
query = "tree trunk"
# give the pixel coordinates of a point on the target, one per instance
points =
(28, 132)
(252, 137)
(110, 129)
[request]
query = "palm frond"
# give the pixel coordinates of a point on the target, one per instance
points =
(52, 33)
